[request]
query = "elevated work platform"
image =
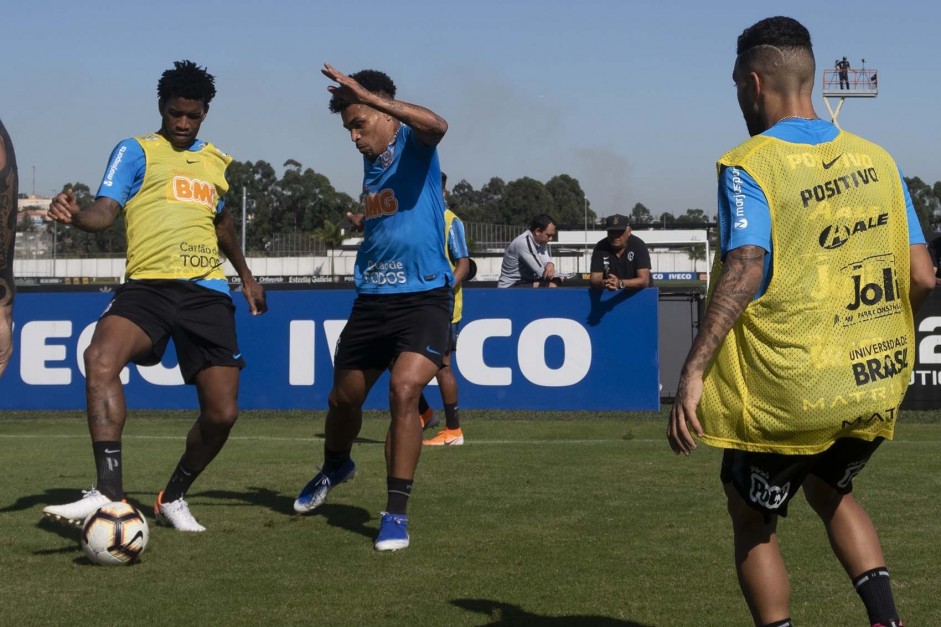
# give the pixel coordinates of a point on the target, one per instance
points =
(858, 83)
(848, 82)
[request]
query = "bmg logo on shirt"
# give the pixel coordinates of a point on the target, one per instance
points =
(185, 189)
(380, 204)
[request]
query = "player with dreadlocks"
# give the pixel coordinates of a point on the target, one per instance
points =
(170, 185)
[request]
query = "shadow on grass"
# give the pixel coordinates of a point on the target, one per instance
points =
(337, 515)
(63, 530)
(67, 532)
(506, 615)
(54, 496)
(264, 497)
(348, 517)
(58, 496)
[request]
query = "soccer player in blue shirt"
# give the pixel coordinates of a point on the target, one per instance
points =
(404, 289)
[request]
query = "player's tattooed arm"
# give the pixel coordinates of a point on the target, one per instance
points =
(8, 200)
(737, 284)
(429, 127)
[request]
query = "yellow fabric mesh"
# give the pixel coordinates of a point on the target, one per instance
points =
(459, 290)
(827, 351)
(170, 230)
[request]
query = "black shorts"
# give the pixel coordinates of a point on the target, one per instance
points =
(453, 332)
(382, 327)
(200, 320)
(768, 481)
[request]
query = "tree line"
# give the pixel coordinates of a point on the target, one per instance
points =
(304, 201)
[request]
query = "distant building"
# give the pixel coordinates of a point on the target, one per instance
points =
(32, 208)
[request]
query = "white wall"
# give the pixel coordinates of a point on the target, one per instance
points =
(662, 259)
(488, 268)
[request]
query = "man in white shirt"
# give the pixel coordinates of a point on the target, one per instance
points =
(526, 261)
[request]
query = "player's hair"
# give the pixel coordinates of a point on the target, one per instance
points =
(186, 80)
(541, 222)
(775, 43)
(371, 80)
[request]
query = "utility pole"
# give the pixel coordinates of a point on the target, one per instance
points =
(244, 204)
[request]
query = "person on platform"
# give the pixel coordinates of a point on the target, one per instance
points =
(843, 68)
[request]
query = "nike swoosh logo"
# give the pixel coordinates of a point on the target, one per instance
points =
(236, 355)
(108, 451)
(828, 164)
(429, 349)
(197, 160)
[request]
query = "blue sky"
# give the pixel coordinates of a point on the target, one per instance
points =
(634, 99)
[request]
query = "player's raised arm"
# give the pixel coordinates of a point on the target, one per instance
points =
(429, 127)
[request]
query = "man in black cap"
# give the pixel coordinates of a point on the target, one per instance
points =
(621, 260)
(844, 66)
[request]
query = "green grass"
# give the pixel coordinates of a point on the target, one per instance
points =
(558, 519)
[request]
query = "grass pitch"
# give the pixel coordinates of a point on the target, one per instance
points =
(551, 519)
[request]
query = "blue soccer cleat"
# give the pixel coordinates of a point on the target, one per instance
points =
(316, 489)
(393, 532)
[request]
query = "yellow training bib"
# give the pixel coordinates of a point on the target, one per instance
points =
(827, 351)
(170, 229)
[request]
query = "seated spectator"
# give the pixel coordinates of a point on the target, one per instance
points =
(621, 260)
(526, 261)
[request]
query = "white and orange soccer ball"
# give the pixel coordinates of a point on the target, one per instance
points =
(116, 533)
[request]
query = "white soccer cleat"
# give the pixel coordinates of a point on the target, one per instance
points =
(175, 514)
(76, 513)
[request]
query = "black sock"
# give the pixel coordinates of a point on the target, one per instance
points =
(108, 465)
(333, 459)
(399, 491)
(422, 404)
(180, 481)
(781, 623)
(451, 418)
(874, 587)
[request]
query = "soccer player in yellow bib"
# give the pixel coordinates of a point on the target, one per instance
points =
(807, 344)
(170, 185)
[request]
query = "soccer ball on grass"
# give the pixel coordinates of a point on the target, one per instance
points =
(116, 533)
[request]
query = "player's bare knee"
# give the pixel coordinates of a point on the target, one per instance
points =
(340, 401)
(221, 417)
(100, 364)
(405, 391)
